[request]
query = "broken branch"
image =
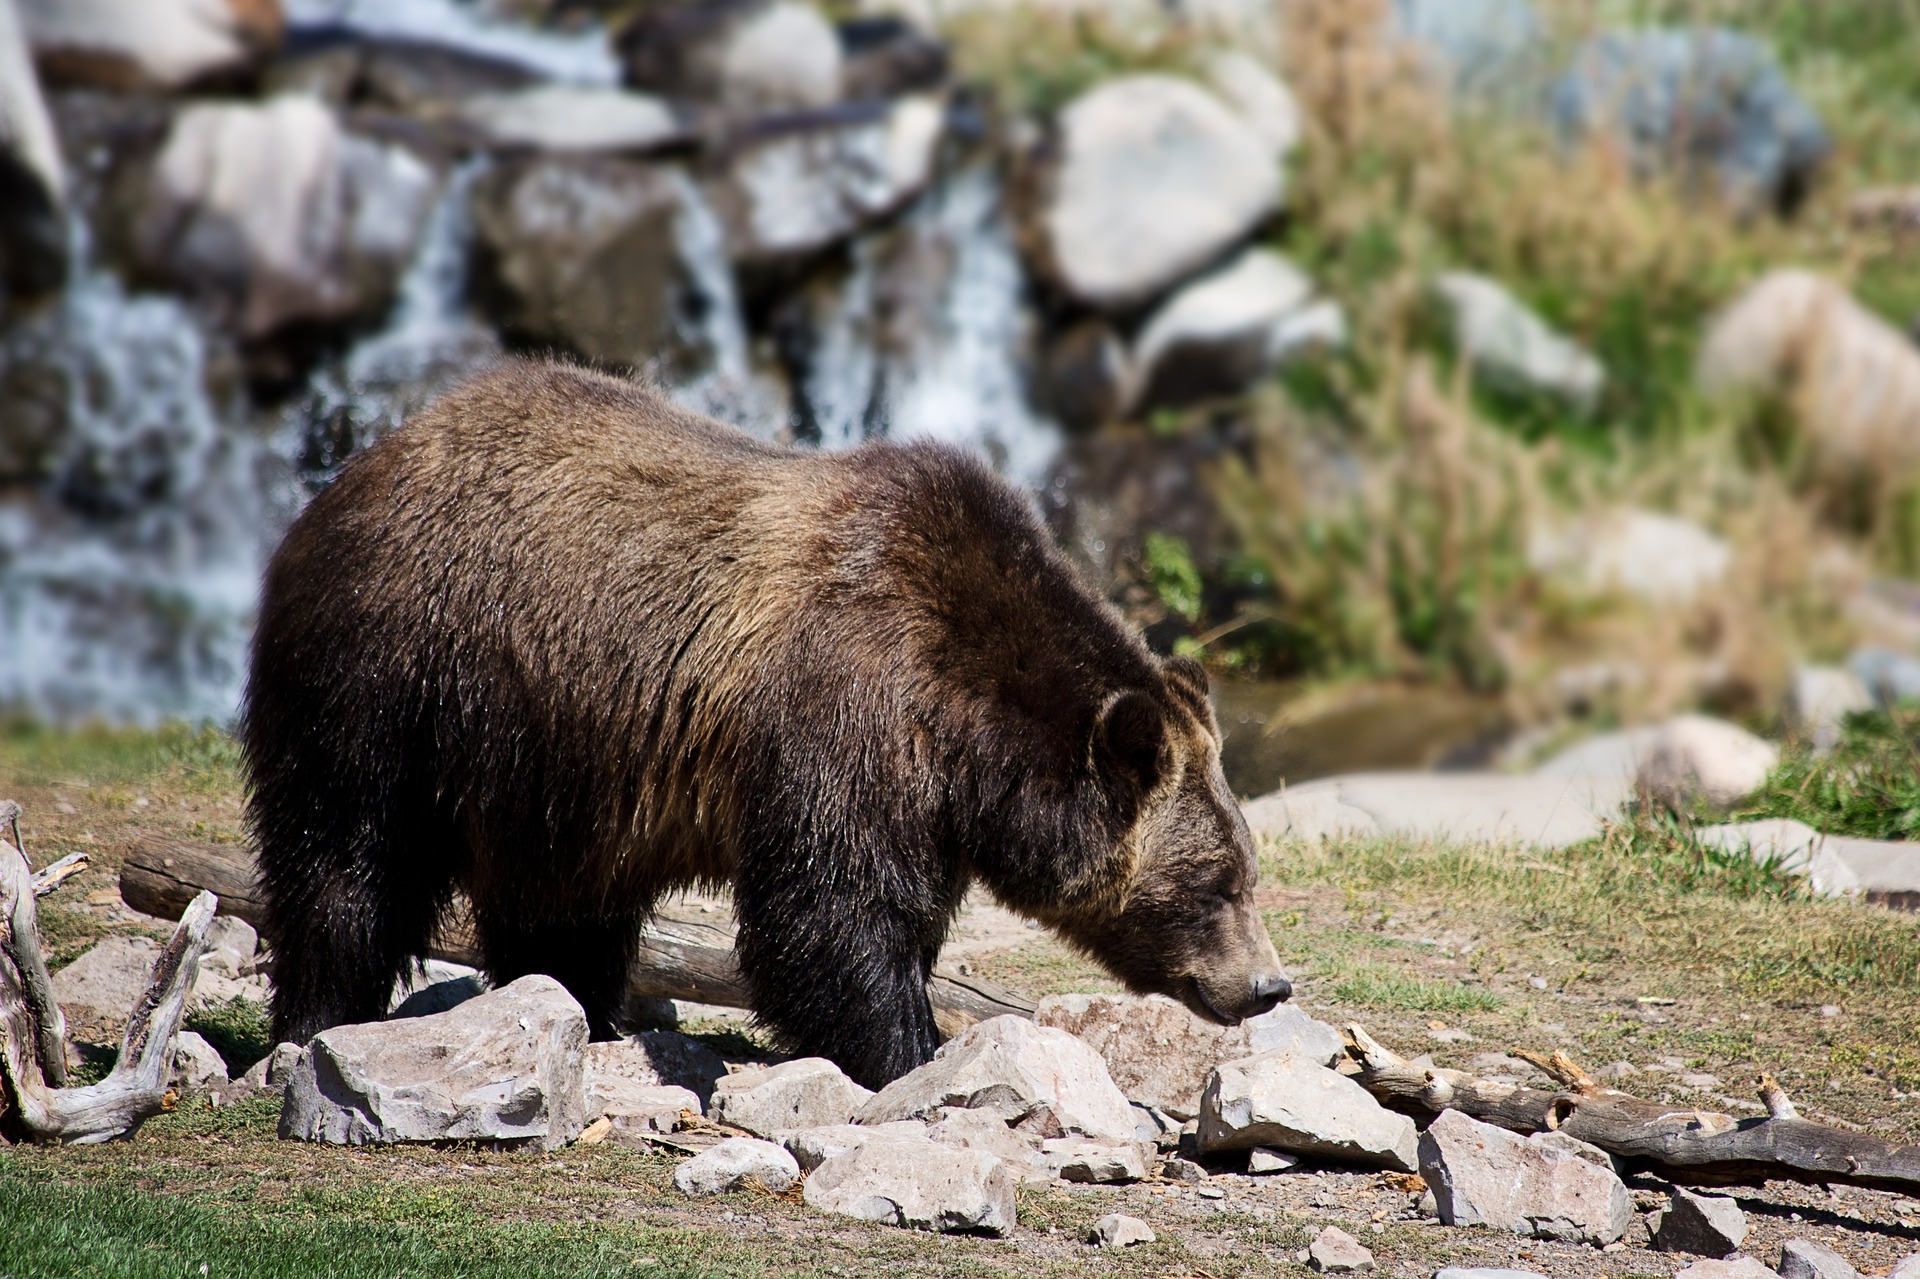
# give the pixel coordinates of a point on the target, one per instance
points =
(53, 876)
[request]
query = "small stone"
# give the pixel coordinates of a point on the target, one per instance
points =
(1804, 1259)
(1335, 1252)
(1084, 1160)
(1546, 1185)
(918, 1185)
(1117, 1230)
(1512, 347)
(731, 1164)
(1704, 1225)
(1616, 1070)
(1184, 1170)
(810, 1092)
(1449, 1035)
(197, 1067)
(1736, 1268)
(1211, 1192)
(1461, 1272)
(1261, 1160)
(1829, 1010)
(1537, 982)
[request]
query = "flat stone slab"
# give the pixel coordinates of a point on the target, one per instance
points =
(919, 1185)
(1487, 808)
(1289, 1103)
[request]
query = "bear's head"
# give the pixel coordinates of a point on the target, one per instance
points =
(1180, 920)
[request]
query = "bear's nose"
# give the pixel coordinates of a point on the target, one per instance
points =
(1269, 991)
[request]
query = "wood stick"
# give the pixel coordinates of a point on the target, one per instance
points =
(1681, 1144)
(61, 871)
(37, 1020)
(678, 958)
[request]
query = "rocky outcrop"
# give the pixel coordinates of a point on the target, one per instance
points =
(148, 44)
(916, 1184)
(1039, 1078)
(33, 244)
(809, 1092)
(1213, 178)
(1287, 1102)
(1546, 1185)
(509, 1066)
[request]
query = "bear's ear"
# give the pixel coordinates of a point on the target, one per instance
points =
(1187, 680)
(1130, 741)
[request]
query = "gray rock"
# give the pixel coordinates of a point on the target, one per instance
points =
(104, 982)
(1892, 678)
(1290, 1103)
(1708, 99)
(1184, 1170)
(435, 988)
(272, 214)
(1223, 331)
(1512, 348)
(508, 1066)
(1853, 378)
(1087, 379)
(1015, 1068)
(749, 56)
(1492, 808)
(1690, 757)
(1479, 50)
(1261, 1161)
(1736, 1268)
(1547, 1185)
(1804, 1259)
(1704, 1225)
(1821, 699)
(235, 937)
(1096, 1162)
(1462, 1272)
(148, 44)
(732, 1164)
(787, 194)
(1335, 1252)
(1258, 96)
(270, 1073)
(1790, 845)
(810, 1092)
(1215, 175)
(197, 1067)
(33, 242)
(1909, 1268)
(1117, 1230)
(1661, 559)
(564, 117)
(811, 1147)
(658, 1058)
(639, 1111)
(919, 1185)
(987, 1131)
(1160, 1054)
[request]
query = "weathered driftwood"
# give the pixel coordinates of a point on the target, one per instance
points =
(60, 872)
(33, 1041)
(678, 958)
(1681, 1144)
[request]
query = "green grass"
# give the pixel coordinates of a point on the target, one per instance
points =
(239, 1029)
(1868, 786)
(1377, 986)
(193, 757)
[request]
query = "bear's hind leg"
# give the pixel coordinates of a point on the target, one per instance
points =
(590, 956)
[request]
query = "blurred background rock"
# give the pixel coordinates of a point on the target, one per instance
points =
(1456, 379)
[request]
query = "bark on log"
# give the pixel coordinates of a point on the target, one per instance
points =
(678, 958)
(33, 1049)
(1681, 1144)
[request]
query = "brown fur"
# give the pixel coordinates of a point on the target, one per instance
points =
(567, 647)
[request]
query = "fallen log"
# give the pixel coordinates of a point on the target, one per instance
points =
(33, 1038)
(1678, 1143)
(678, 958)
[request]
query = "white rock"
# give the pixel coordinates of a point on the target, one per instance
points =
(269, 1074)
(568, 117)
(1335, 1252)
(1909, 1268)
(1490, 808)
(1221, 332)
(1661, 559)
(1461, 1272)
(235, 937)
(1686, 758)
(507, 1066)
(1260, 98)
(919, 1185)
(731, 1164)
(197, 1067)
(1160, 1054)
(104, 982)
(1117, 1230)
(1854, 378)
(1819, 702)
(1213, 179)
(1805, 1259)
(1097, 1162)
(1794, 847)
(1704, 1225)
(1262, 1162)
(987, 1131)
(1512, 347)
(1304, 812)
(158, 44)
(640, 1110)
(1733, 1268)
(811, 1147)
(1289, 1103)
(657, 1058)
(810, 1092)
(1014, 1067)
(281, 215)
(1547, 1185)
(785, 58)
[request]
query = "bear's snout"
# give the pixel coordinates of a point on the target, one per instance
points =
(1269, 992)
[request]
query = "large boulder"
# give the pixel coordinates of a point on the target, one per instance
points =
(1512, 348)
(787, 192)
(1149, 179)
(810, 1092)
(1711, 101)
(1690, 757)
(1221, 332)
(509, 1066)
(33, 234)
(916, 1184)
(1851, 378)
(1035, 1076)
(274, 215)
(1160, 1054)
(149, 44)
(1547, 1185)
(750, 56)
(1288, 1102)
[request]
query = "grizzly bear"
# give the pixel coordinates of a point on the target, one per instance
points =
(565, 647)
